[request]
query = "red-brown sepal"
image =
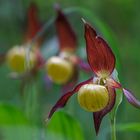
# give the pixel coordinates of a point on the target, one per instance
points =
(33, 23)
(66, 35)
(99, 54)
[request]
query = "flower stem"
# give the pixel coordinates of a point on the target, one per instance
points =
(31, 102)
(113, 128)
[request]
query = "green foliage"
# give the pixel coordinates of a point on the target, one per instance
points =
(14, 125)
(9, 88)
(64, 127)
(10, 114)
(129, 127)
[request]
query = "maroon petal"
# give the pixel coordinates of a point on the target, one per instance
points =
(98, 116)
(131, 98)
(63, 100)
(66, 35)
(99, 54)
(33, 25)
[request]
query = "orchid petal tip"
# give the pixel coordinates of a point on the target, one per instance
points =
(83, 20)
(87, 25)
(97, 132)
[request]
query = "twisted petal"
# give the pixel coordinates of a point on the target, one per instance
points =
(33, 25)
(131, 98)
(100, 55)
(98, 116)
(112, 83)
(66, 35)
(63, 100)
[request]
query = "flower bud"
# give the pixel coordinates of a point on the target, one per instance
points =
(93, 97)
(16, 59)
(59, 70)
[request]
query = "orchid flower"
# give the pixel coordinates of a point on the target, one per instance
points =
(97, 94)
(16, 56)
(33, 27)
(63, 68)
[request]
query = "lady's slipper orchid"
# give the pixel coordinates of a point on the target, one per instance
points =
(16, 56)
(57, 65)
(16, 59)
(62, 69)
(93, 98)
(97, 94)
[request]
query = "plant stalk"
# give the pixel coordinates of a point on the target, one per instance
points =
(113, 128)
(31, 102)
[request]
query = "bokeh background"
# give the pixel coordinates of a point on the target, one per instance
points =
(118, 21)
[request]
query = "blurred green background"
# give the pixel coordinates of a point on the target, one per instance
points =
(118, 21)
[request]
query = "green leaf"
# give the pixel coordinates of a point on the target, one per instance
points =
(15, 126)
(135, 127)
(20, 132)
(64, 127)
(10, 114)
